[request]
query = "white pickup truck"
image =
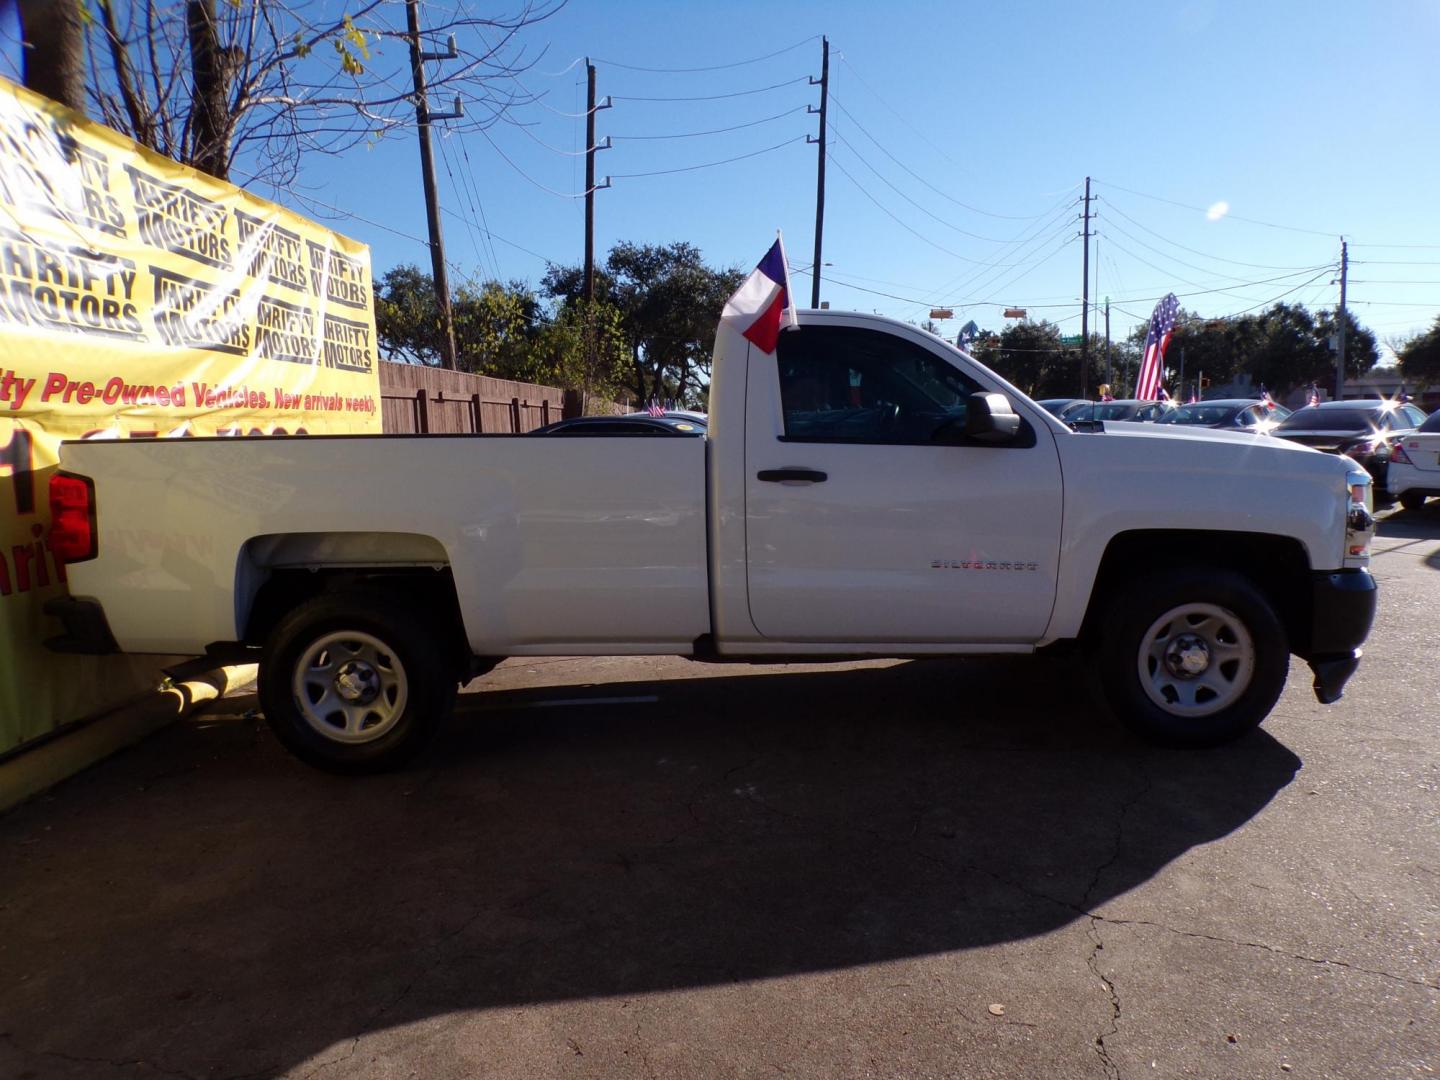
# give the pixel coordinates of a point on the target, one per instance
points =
(865, 490)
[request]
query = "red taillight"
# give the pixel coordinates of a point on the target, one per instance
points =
(1397, 453)
(72, 517)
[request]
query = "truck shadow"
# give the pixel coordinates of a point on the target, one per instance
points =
(1415, 526)
(206, 904)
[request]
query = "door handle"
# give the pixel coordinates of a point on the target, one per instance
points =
(780, 476)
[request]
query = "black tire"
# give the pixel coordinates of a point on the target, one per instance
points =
(1231, 620)
(390, 678)
(1412, 500)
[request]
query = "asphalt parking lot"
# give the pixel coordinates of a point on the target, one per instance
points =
(651, 868)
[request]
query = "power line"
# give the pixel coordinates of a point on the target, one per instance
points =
(1425, 247)
(903, 118)
(898, 221)
(1287, 292)
(1222, 291)
(527, 177)
(715, 97)
(707, 164)
(541, 142)
(712, 67)
(1194, 251)
(469, 226)
(963, 232)
(1227, 216)
(469, 174)
(712, 131)
(932, 187)
(357, 217)
(1181, 262)
(1034, 236)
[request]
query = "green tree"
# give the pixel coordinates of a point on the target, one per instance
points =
(1029, 354)
(669, 302)
(407, 317)
(584, 348)
(497, 329)
(497, 326)
(1420, 357)
(1362, 351)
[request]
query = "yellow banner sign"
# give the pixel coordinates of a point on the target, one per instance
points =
(141, 299)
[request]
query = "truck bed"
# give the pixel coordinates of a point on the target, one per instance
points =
(591, 545)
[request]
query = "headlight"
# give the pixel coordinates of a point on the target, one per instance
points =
(1359, 519)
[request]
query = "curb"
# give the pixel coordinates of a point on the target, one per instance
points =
(35, 771)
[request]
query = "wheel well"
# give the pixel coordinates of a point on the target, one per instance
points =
(426, 589)
(1277, 565)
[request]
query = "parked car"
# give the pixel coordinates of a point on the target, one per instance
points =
(1414, 472)
(1123, 409)
(1063, 408)
(629, 424)
(875, 492)
(1363, 430)
(1228, 414)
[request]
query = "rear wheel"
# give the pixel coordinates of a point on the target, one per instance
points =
(1412, 500)
(354, 681)
(1193, 657)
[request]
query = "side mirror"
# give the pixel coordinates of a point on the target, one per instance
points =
(989, 418)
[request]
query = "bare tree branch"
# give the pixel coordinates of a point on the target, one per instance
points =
(301, 76)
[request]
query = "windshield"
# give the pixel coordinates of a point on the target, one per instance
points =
(1316, 419)
(1201, 415)
(1110, 410)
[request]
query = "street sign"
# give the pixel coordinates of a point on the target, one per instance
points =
(941, 313)
(1070, 339)
(1014, 313)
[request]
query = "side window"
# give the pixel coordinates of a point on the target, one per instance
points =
(1413, 416)
(848, 384)
(1246, 418)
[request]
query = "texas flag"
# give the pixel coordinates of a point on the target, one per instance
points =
(761, 306)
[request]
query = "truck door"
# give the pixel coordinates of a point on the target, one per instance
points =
(871, 517)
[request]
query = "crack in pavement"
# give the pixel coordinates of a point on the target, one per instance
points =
(1324, 961)
(1093, 931)
(120, 1063)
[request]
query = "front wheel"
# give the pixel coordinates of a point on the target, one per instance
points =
(354, 681)
(1193, 657)
(1412, 500)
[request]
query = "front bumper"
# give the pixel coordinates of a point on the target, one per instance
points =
(1343, 607)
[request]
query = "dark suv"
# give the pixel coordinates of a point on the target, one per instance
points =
(1362, 429)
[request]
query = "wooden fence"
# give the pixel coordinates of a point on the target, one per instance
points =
(423, 400)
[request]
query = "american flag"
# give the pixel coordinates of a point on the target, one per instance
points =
(1152, 367)
(1313, 398)
(656, 409)
(1265, 398)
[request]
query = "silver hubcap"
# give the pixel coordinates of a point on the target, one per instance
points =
(350, 687)
(1196, 659)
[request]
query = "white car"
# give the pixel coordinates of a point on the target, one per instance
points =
(1415, 465)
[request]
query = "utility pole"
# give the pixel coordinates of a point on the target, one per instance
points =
(1182, 371)
(1341, 320)
(1085, 298)
(1109, 374)
(423, 118)
(824, 84)
(591, 108)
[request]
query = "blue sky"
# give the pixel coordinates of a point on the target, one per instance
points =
(961, 134)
